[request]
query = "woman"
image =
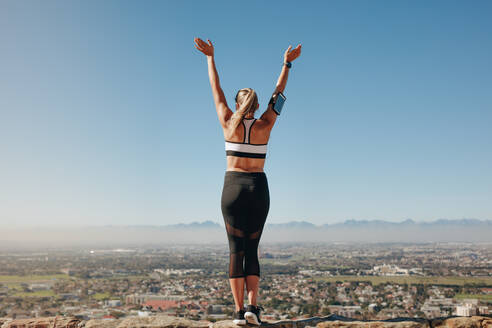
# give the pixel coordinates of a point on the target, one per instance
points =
(245, 196)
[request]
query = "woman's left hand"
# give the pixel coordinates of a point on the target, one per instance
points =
(206, 48)
(292, 55)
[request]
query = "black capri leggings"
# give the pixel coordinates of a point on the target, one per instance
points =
(245, 203)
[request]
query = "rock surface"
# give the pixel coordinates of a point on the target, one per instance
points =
(463, 322)
(164, 321)
(46, 322)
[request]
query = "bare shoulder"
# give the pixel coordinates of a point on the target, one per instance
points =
(268, 118)
(224, 114)
(262, 129)
(262, 124)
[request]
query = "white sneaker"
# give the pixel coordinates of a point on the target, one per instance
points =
(238, 318)
(252, 314)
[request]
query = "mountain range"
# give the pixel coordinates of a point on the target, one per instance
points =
(350, 231)
(347, 223)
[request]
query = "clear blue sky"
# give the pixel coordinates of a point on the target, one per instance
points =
(107, 115)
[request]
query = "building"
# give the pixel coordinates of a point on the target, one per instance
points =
(142, 298)
(466, 310)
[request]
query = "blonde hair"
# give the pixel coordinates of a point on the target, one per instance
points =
(248, 101)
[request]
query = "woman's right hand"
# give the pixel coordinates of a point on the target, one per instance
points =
(291, 55)
(206, 48)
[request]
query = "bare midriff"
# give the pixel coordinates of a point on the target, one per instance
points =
(245, 164)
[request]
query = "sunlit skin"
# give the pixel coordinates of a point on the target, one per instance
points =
(260, 134)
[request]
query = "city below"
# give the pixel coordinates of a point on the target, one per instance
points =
(298, 279)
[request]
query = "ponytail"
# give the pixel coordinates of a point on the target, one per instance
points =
(249, 101)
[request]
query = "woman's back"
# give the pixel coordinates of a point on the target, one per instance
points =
(247, 144)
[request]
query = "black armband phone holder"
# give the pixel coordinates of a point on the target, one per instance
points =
(278, 102)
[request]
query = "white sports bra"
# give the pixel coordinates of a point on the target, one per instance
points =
(245, 148)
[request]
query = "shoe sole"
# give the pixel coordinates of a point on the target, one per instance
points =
(252, 318)
(239, 322)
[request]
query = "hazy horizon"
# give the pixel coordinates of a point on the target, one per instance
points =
(221, 223)
(138, 235)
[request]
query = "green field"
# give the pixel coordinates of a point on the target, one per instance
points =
(376, 280)
(39, 293)
(13, 285)
(101, 296)
(31, 278)
(486, 298)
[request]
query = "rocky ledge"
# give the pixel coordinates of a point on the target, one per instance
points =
(164, 321)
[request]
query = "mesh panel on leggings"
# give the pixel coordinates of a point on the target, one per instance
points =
(234, 231)
(237, 247)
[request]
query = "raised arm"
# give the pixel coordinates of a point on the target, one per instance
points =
(223, 111)
(269, 116)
